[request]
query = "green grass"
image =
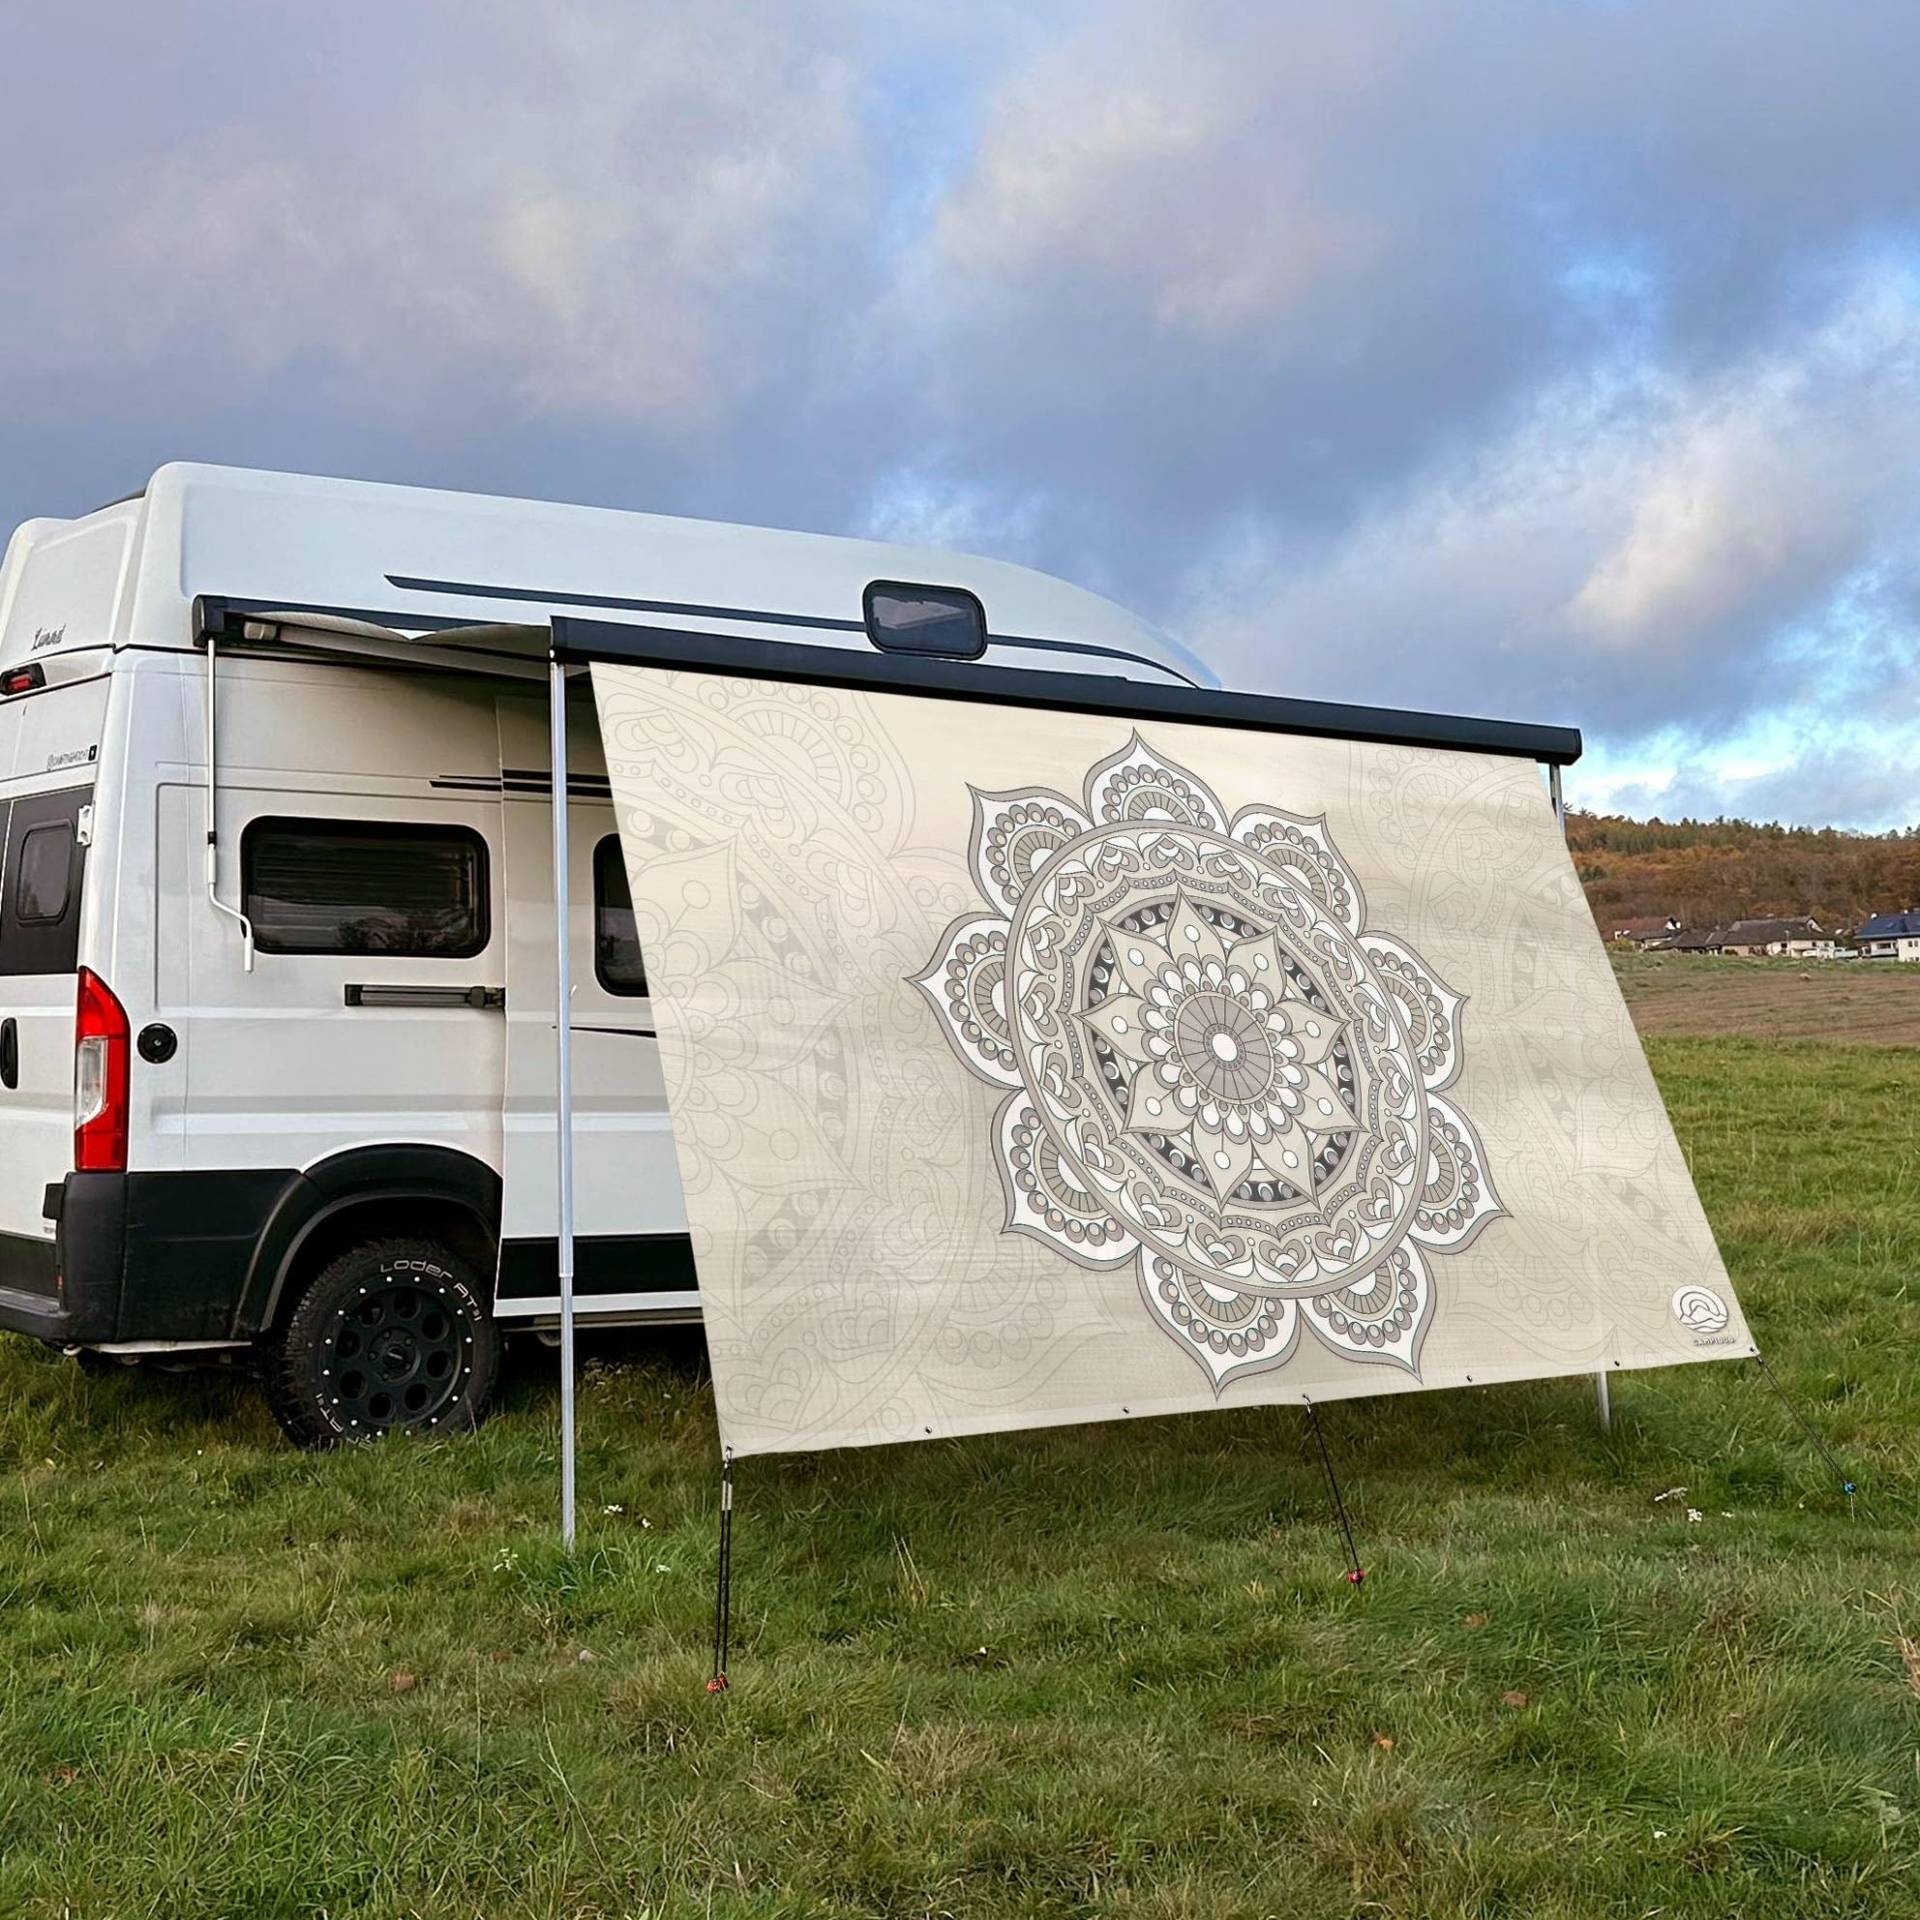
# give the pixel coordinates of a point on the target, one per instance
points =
(1109, 1670)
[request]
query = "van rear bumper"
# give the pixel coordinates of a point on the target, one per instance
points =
(31, 1300)
(67, 1289)
(138, 1256)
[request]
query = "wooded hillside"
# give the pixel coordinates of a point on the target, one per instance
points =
(1707, 872)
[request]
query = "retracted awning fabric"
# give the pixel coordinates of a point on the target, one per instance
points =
(1032, 1065)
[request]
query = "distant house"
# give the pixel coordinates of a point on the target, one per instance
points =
(1803, 938)
(1694, 941)
(1647, 932)
(1890, 936)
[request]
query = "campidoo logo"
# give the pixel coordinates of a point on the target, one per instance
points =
(1700, 1309)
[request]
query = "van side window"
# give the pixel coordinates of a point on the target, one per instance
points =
(365, 886)
(44, 865)
(617, 964)
(44, 882)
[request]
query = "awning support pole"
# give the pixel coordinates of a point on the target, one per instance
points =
(1602, 1393)
(563, 1103)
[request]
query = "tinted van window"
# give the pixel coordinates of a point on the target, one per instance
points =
(364, 886)
(41, 872)
(43, 877)
(616, 947)
(947, 621)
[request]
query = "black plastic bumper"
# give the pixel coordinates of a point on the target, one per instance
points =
(31, 1297)
(138, 1256)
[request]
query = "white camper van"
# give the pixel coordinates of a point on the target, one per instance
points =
(277, 957)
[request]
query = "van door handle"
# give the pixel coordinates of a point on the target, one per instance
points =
(384, 995)
(9, 1053)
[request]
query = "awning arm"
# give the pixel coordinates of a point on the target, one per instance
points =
(492, 648)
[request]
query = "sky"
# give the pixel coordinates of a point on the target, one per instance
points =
(1557, 359)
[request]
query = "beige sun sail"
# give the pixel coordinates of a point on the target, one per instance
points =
(1032, 1066)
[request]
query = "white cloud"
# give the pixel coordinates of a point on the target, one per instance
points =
(921, 509)
(1144, 149)
(1507, 356)
(1778, 467)
(1629, 548)
(578, 211)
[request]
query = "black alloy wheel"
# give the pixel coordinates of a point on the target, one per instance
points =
(392, 1335)
(397, 1358)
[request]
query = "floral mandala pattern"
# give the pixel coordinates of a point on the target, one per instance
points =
(1215, 1071)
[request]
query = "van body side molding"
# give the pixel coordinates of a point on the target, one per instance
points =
(604, 1263)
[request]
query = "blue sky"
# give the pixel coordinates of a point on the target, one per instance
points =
(1549, 359)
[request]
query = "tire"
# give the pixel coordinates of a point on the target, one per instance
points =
(392, 1336)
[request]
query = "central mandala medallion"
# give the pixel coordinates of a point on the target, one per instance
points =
(1214, 1070)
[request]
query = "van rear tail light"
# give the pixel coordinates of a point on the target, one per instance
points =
(101, 1048)
(22, 679)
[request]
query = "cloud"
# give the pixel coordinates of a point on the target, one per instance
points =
(1217, 264)
(576, 209)
(1637, 545)
(1553, 359)
(1781, 469)
(1825, 741)
(1140, 155)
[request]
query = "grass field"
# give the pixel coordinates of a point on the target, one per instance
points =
(1870, 1002)
(1106, 1670)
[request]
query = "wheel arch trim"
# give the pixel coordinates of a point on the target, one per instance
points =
(358, 1177)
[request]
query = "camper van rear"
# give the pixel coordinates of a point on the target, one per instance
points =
(277, 969)
(49, 744)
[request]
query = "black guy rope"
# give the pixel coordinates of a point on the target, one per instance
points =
(1806, 1426)
(723, 1584)
(1355, 1571)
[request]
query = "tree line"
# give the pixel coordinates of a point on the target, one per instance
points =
(1706, 873)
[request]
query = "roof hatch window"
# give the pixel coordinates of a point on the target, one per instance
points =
(947, 622)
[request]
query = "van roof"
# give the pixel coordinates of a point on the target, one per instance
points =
(415, 557)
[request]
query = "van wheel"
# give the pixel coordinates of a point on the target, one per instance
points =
(391, 1335)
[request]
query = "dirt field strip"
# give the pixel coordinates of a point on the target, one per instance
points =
(1845, 1002)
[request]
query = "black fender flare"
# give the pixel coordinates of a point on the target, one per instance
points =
(356, 1178)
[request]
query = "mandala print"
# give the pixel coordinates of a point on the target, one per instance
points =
(1215, 1072)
